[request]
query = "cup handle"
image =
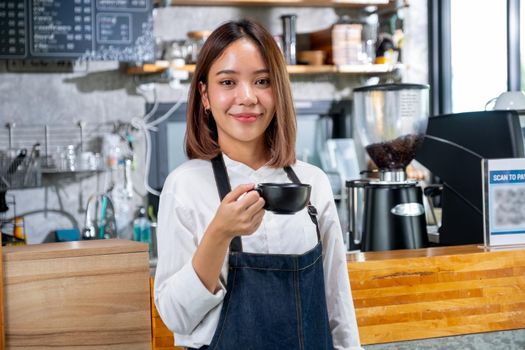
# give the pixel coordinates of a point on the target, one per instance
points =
(489, 102)
(258, 190)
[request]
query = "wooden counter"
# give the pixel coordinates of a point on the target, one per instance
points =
(425, 293)
(77, 295)
(436, 292)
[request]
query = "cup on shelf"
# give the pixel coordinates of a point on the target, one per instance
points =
(59, 158)
(71, 158)
(507, 100)
(89, 161)
(66, 158)
(178, 52)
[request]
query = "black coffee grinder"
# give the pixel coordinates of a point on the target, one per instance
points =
(391, 120)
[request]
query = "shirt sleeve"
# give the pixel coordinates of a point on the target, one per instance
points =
(341, 312)
(180, 297)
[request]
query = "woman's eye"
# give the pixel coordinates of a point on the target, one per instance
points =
(264, 81)
(227, 82)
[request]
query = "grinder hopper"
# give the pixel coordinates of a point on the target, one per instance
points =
(391, 121)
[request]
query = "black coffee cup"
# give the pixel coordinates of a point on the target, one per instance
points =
(284, 198)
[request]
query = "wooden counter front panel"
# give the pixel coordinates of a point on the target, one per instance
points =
(161, 336)
(422, 297)
(78, 302)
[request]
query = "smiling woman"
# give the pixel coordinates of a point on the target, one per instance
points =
(241, 61)
(239, 96)
(288, 271)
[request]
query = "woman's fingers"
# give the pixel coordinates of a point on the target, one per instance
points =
(251, 217)
(258, 216)
(237, 192)
(249, 199)
(255, 207)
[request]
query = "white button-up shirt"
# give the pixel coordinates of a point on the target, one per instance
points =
(188, 203)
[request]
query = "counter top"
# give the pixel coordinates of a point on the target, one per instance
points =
(70, 249)
(415, 253)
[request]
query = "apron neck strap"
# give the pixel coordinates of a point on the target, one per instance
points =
(221, 176)
(312, 212)
(223, 186)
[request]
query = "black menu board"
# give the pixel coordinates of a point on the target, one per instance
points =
(120, 30)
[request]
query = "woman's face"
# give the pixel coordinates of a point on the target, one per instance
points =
(239, 95)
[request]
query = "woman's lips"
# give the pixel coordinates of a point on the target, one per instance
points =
(246, 117)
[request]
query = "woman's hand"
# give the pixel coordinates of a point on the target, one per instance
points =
(237, 214)
(240, 213)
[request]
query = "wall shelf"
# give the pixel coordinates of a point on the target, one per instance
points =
(298, 3)
(52, 171)
(45, 145)
(161, 66)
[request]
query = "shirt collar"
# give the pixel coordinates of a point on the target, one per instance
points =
(244, 169)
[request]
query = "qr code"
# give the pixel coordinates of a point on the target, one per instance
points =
(509, 206)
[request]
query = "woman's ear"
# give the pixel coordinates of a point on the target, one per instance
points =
(204, 95)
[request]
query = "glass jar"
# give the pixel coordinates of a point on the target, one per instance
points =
(177, 52)
(195, 42)
(347, 46)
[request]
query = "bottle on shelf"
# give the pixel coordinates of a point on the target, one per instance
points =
(142, 228)
(19, 229)
(370, 21)
(289, 38)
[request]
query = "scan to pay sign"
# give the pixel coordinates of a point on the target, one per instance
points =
(504, 202)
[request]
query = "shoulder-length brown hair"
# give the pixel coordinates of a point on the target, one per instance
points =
(201, 132)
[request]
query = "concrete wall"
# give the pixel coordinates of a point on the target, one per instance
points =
(102, 93)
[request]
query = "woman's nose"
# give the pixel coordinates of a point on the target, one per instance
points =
(246, 94)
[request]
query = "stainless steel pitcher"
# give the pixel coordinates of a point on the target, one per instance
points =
(355, 194)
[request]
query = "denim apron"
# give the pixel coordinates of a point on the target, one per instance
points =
(272, 301)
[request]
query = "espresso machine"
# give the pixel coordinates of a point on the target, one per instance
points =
(391, 121)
